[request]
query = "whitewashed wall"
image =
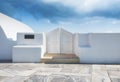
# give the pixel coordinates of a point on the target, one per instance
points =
(44, 45)
(76, 45)
(28, 49)
(6, 45)
(38, 39)
(9, 28)
(27, 54)
(98, 47)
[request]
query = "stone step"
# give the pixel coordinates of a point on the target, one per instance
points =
(60, 58)
(61, 55)
(61, 61)
(56, 54)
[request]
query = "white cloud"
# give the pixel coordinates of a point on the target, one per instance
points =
(87, 5)
(108, 31)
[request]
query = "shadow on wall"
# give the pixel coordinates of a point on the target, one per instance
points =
(6, 45)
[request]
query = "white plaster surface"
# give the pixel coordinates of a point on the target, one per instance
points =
(38, 39)
(9, 28)
(100, 48)
(27, 53)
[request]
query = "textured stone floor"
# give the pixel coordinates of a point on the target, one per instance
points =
(31, 72)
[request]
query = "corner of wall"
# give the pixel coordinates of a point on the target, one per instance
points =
(44, 50)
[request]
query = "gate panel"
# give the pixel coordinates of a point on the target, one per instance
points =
(60, 41)
(66, 42)
(53, 42)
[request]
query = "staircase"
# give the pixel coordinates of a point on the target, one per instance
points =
(54, 58)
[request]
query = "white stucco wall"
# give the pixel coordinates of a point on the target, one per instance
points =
(99, 48)
(5, 46)
(28, 49)
(38, 39)
(27, 54)
(76, 47)
(44, 48)
(9, 28)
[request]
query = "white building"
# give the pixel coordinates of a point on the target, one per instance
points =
(33, 47)
(9, 28)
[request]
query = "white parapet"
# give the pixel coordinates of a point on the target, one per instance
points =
(27, 53)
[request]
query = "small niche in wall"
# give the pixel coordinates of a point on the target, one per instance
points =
(84, 41)
(29, 36)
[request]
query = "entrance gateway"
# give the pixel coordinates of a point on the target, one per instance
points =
(59, 41)
(59, 47)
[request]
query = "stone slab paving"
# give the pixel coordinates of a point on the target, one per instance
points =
(35, 72)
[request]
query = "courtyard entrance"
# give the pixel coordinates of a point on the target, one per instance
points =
(60, 41)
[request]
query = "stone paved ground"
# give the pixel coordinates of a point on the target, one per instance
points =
(31, 72)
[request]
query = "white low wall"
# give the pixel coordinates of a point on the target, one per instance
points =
(26, 54)
(30, 47)
(98, 47)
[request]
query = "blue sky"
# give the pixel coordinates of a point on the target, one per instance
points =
(74, 15)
